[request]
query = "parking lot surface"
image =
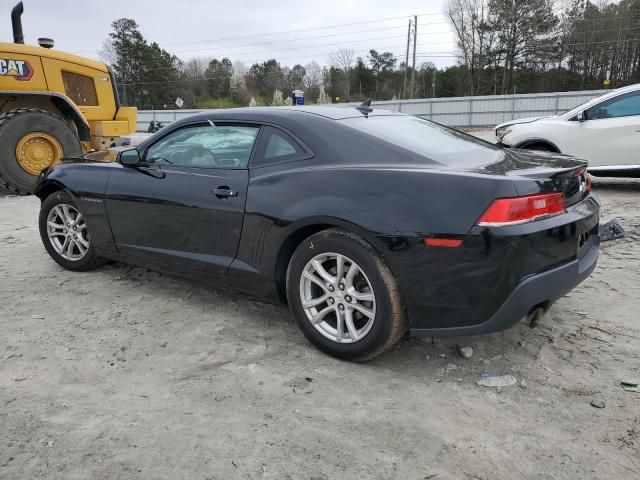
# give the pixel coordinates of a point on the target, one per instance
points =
(126, 373)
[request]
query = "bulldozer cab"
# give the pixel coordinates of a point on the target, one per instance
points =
(53, 105)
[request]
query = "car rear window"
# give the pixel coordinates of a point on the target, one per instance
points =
(420, 136)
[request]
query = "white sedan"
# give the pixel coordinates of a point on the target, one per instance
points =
(605, 131)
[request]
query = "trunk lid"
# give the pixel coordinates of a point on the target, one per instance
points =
(554, 172)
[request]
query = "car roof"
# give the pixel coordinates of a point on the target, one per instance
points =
(601, 98)
(311, 117)
(267, 113)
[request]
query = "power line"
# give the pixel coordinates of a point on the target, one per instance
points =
(300, 47)
(226, 47)
(323, 27)
(271, 53)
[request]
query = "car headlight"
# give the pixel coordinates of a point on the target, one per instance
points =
(501, 133)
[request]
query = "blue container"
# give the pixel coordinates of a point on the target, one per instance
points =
(297, 97)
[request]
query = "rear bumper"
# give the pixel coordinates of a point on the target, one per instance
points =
(542, 288)
(497, 275)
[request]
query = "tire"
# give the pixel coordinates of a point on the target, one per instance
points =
(540, 147)
(375, 332)
(14, 125)
(89, 260)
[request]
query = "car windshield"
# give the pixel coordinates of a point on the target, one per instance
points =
(420, 136)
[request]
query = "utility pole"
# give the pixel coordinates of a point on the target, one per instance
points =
(433, 84)
(406, 62)
(415, 39)
(123, 69)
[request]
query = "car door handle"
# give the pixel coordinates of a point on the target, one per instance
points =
(224, 192)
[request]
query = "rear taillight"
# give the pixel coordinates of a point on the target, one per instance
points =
(588, 175)
(512, 211)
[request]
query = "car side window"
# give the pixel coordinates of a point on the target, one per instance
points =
(205, 146)
(623, 106)
(277, 146)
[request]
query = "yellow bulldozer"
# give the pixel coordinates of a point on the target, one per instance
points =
(53, 105)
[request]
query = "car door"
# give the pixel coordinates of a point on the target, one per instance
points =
(184, 204)
(609, 133)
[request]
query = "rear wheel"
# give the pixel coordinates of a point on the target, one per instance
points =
(65, 235)
(344, 297)
(30, 141)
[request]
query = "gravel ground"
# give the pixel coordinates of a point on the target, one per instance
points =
(125, 373)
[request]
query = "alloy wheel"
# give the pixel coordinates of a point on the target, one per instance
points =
(337, 297)
(67, 232)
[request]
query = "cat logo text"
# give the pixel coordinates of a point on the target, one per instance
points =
(19, 69)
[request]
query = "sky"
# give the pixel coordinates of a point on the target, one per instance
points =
(246, 30)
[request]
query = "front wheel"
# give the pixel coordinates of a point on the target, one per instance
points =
(344, 297)
(540, 147)
(64, 233)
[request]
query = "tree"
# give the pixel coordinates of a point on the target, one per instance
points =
(277, 101)
(312, 79)
(123, 47)
(476, 38)
(195, 83)
(159, 74)
(524, 28)
(323, 97)
(264, 78)
(363, 79)
(381, 63)
(147, 74)
(296, 77)
(342, 60)
(219, 74)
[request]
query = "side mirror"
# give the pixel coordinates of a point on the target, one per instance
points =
(129, 158)
(580, 116)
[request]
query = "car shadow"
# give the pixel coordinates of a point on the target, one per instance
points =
(438, 358)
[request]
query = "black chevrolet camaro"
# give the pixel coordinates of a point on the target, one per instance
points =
(367, 223)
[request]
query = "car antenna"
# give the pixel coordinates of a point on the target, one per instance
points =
(365, 107)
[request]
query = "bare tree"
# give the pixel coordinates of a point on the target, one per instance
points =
(476, 40)
(343, 60)
(108, 52)
(312, 78)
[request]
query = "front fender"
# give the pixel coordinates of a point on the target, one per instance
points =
(532, 140)
(86, 184)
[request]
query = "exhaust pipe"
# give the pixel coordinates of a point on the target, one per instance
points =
(16, 23)
(534, 315)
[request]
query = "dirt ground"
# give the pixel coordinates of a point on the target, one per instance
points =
(125, 373)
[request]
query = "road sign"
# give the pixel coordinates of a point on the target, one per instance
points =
(179, 102)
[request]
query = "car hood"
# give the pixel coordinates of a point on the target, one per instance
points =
(99, 156)
(521, 120)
